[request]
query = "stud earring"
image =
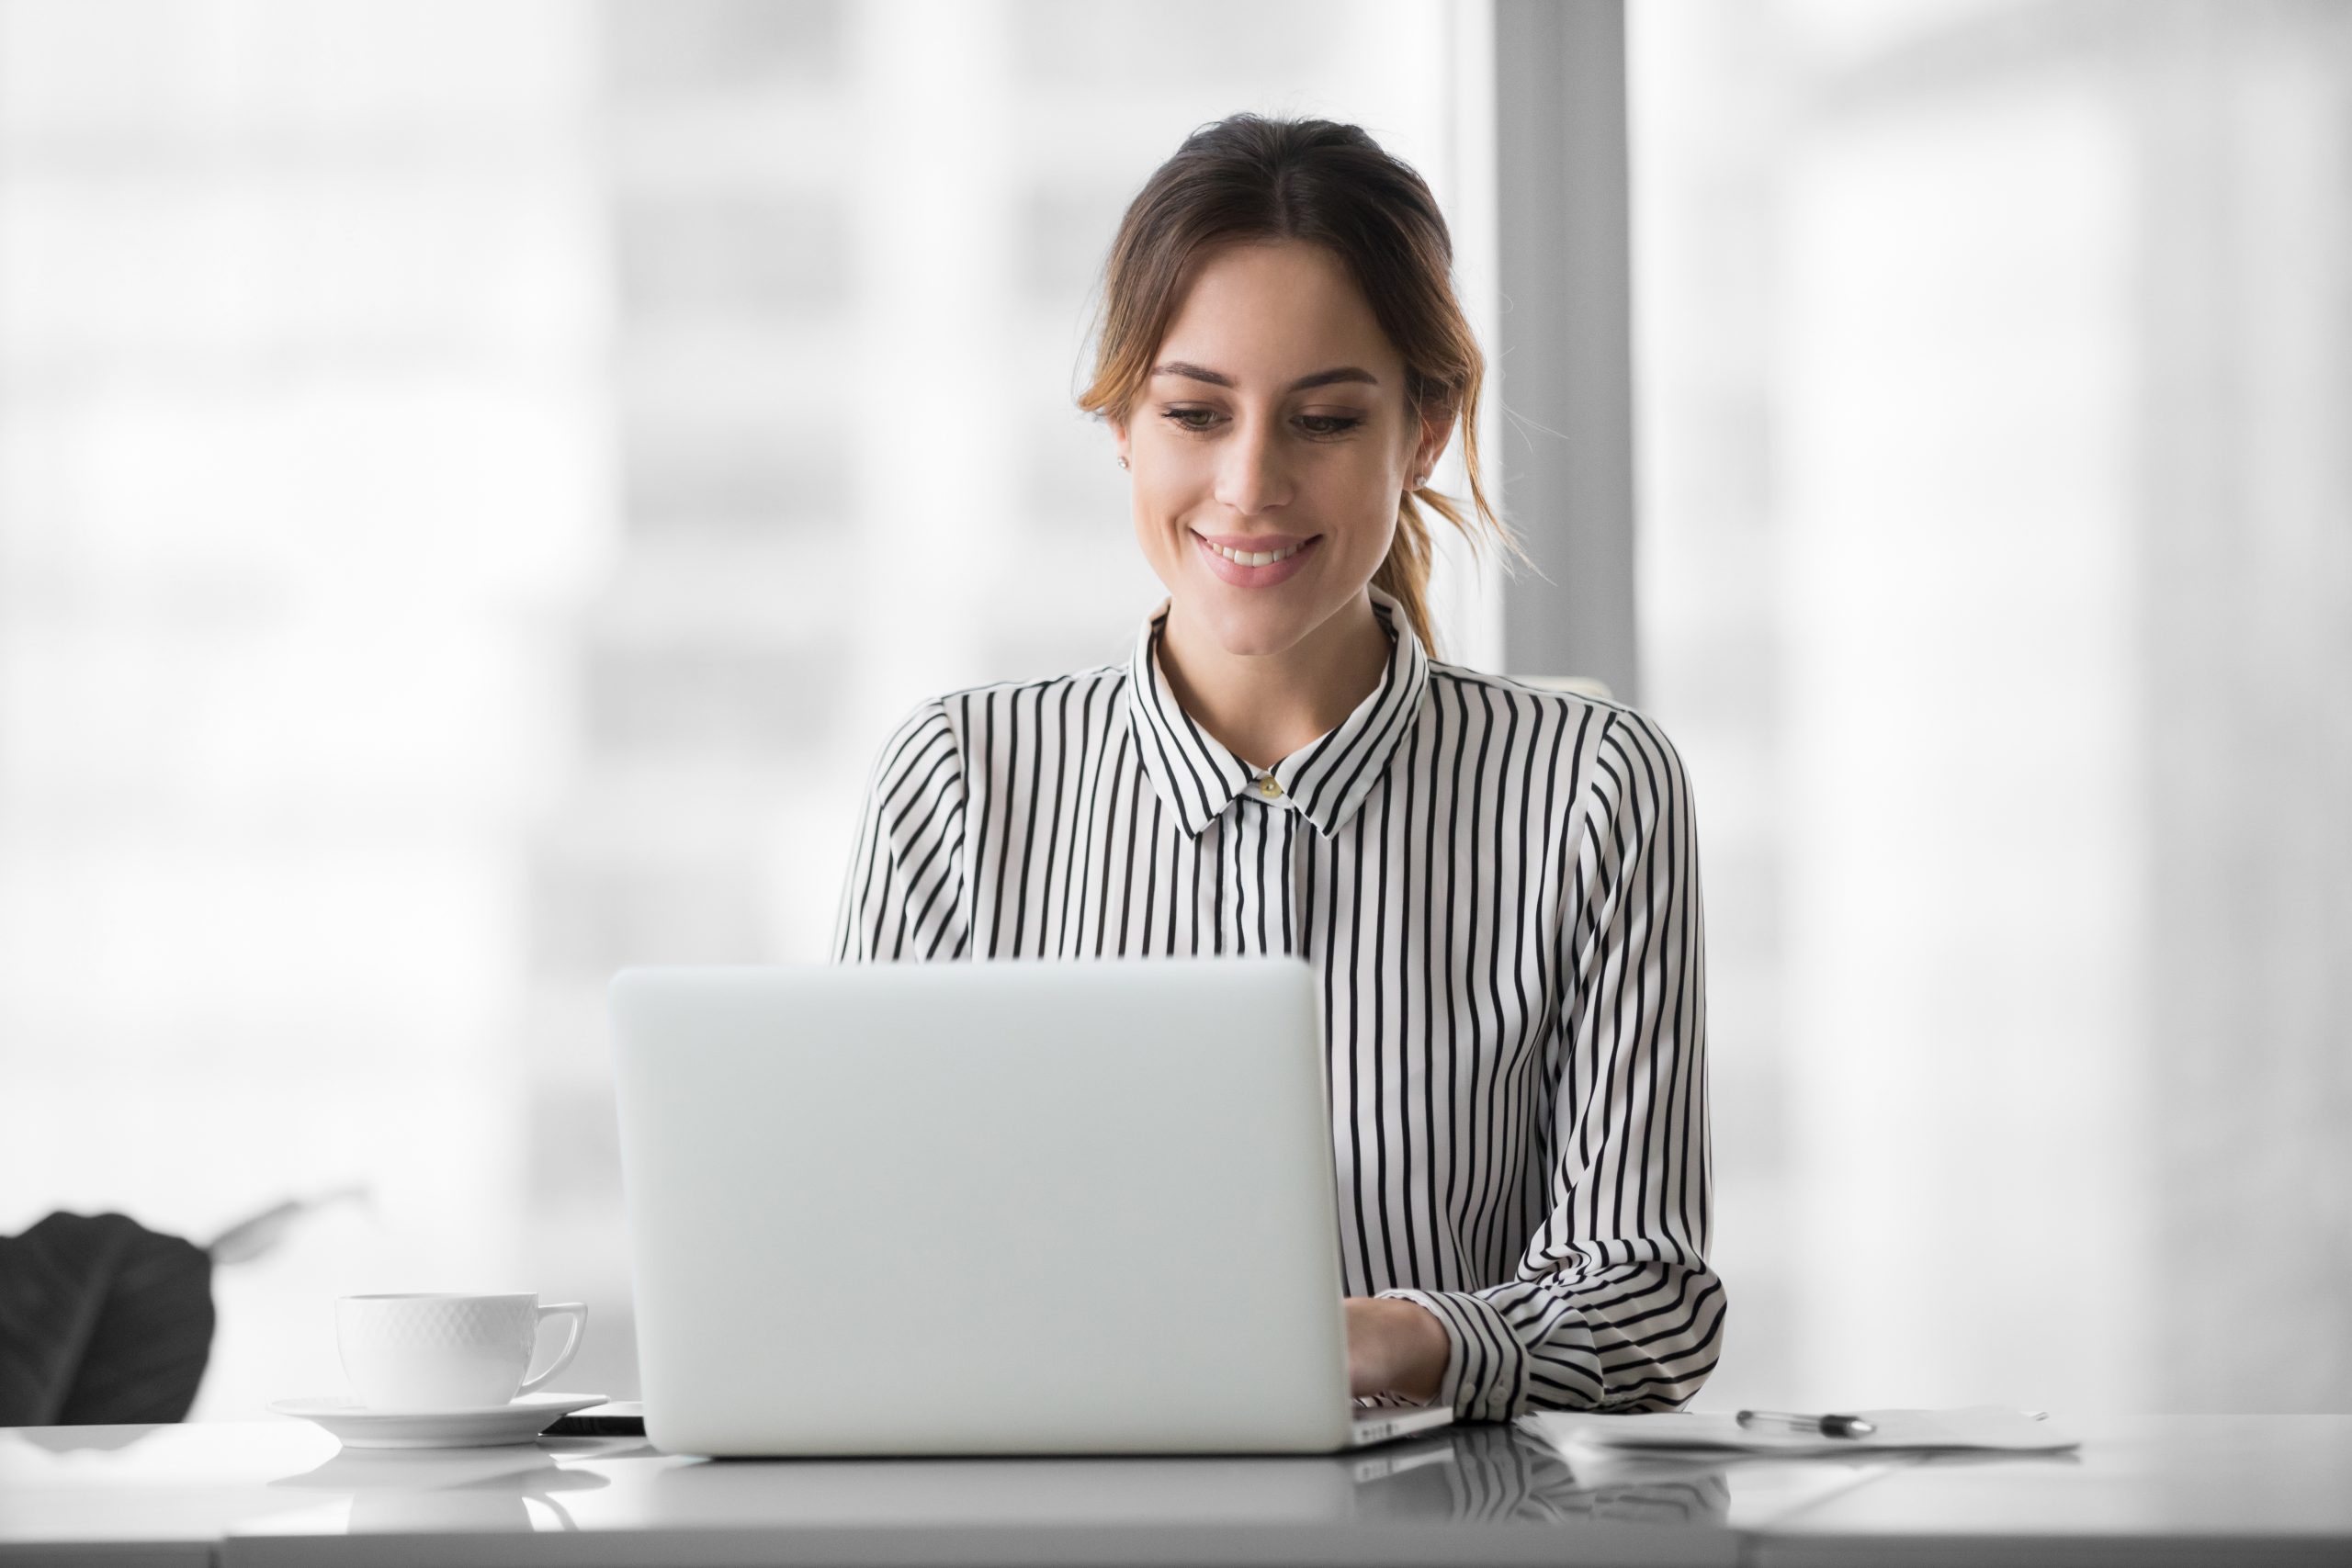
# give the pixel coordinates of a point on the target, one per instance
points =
(1123, 462)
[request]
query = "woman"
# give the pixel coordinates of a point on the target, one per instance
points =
(1499, 885)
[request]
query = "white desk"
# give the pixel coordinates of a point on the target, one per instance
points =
(2143, 1489)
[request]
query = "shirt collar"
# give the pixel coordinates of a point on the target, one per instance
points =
(1325, 780)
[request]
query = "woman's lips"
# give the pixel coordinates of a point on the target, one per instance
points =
(1265, 576)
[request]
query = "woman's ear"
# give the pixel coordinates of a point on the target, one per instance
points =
(1437, 430)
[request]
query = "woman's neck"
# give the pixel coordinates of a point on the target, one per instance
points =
(1263, 707)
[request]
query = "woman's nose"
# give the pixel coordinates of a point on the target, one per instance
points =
(1252, 474)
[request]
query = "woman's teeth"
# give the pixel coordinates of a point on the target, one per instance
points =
(1245, 558)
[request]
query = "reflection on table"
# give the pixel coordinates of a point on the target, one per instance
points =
(2145, 1489)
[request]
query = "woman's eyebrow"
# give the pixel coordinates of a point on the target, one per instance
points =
(1320, 378)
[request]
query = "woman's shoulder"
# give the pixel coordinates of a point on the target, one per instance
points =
(1537, 709)
(976, 715)
(1461, 685)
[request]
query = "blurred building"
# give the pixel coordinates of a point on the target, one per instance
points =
(304, 403)
(1997, 578)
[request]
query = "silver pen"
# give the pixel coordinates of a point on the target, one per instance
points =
(1789, 1421)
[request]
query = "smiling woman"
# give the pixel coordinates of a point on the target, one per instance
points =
(1266, 500)
(1498, 886)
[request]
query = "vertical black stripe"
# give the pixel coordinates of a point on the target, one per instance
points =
(1083, 817)
(1265, 831)
(1217, 889)
(1348, 1060)
(1152, 846)
(1378, 1049)
(1456, 959)
(1415, 1132)
(1290, 876)
(1073, 771)
(1029, 828)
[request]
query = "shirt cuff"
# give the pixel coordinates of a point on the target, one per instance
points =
(1486, 1366)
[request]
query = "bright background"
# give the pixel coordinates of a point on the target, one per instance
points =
(477, 479)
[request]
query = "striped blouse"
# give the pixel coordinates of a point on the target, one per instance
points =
(1498, 887)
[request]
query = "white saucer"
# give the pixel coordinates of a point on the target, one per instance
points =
(483, 1426)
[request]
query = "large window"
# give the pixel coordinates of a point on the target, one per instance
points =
(1997, 574)
(477, 482)
(477, 479)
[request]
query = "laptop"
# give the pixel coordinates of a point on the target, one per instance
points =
(1020, 1207)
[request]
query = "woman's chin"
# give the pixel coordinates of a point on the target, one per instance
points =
(1252, 631)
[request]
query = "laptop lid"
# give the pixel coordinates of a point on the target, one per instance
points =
(1013, 1207)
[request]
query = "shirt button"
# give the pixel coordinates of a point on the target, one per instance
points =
(1267, 786)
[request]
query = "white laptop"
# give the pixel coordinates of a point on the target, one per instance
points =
(995, 1208)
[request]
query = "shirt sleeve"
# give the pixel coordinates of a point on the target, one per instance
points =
(1613, 1306)
(903, 895)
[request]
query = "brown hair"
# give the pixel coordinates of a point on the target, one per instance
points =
(1247, 179)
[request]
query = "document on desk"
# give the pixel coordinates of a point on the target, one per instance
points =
(1978, 1426)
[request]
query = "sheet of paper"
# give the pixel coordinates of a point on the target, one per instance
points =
(1992, 1427)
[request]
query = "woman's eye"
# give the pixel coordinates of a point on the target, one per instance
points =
(1316, 424)
(1335, 424)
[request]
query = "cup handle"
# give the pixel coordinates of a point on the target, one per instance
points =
(578, 1313)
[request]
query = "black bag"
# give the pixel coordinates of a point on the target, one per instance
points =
(102, 1321)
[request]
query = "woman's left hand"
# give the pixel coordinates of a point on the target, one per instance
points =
(1395, 1347)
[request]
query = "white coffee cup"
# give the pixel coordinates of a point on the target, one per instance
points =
(447, 1352)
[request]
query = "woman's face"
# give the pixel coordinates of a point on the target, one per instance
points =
(1229, 451)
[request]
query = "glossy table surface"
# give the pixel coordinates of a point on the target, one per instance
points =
(2142, 1489)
